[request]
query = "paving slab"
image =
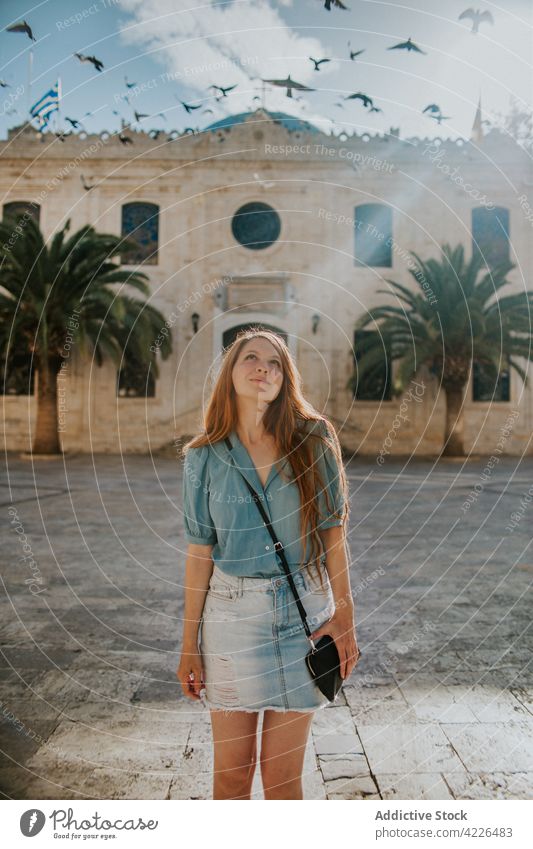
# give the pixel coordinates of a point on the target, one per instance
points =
(360, 787)
(492, 785)
(350, 765)
(426, 785)
(408, 748)
(493, 746)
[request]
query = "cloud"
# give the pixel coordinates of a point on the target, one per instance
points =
(240, 42)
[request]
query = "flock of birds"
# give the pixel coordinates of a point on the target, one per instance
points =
(432, 110)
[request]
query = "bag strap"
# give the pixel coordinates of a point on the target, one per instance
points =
(278, 546)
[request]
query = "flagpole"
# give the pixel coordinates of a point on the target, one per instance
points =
(59, 127)
(28, 98)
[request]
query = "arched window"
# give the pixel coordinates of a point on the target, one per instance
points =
(135, 380)
(487, 387)
(22, 208)
(490, 234)
(17, 376)
(140, 224)
(376, 385)
(373, 235)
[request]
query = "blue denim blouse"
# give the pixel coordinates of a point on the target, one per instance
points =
(219, 510)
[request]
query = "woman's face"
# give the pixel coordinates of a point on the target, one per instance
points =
(258, 372)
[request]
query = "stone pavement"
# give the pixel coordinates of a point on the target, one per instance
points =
(440, 706)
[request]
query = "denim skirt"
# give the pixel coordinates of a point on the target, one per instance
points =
(253, 643)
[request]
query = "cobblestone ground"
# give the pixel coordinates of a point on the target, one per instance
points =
(440, 706)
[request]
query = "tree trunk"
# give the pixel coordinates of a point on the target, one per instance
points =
(454, 433)
(46, 435)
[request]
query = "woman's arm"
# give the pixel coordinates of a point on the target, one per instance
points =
(334, 542)
(198, 570)
(341, 626)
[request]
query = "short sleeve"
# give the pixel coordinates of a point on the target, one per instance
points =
(329, 471)
(199, 528)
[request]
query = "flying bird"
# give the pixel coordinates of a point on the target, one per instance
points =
(375, 109)
(224, 90)
(440, 117)
(289, 85)
(354, 53)
(129, 85)
(265, 184)
(86, 185)
(23, 26)
(73, 123)
(318, 62)
(140, 115)
(477, 17)
(337, 3)
(434, 111)
(92, 59)
(406, 45)
(367, 101)
(188, 106)
(4, 84)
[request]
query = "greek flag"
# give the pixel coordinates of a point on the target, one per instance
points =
(48, 103)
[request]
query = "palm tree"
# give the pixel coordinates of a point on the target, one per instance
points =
(42, 286)
(464, 321)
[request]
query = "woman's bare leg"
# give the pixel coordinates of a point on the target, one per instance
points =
(283, 742)
(235, 752)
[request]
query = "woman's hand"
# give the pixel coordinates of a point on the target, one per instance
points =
(191, 665)
(341, 627)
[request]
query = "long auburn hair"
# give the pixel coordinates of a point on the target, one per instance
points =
(287, 419)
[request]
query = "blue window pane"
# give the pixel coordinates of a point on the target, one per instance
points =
(256, 225)
(140, 223)
(373, 235)
(490, 234)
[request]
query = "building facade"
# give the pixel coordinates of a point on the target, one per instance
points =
(259, 220)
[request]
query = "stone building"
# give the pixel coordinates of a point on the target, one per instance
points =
(254, 221)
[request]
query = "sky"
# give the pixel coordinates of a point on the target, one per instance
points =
(175, 50)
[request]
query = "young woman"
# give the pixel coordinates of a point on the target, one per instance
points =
(244, 643)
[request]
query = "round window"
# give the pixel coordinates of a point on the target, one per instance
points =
(256, 225)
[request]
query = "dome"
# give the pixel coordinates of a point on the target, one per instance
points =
(290, 122)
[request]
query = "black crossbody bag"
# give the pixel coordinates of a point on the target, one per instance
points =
(323, 660)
